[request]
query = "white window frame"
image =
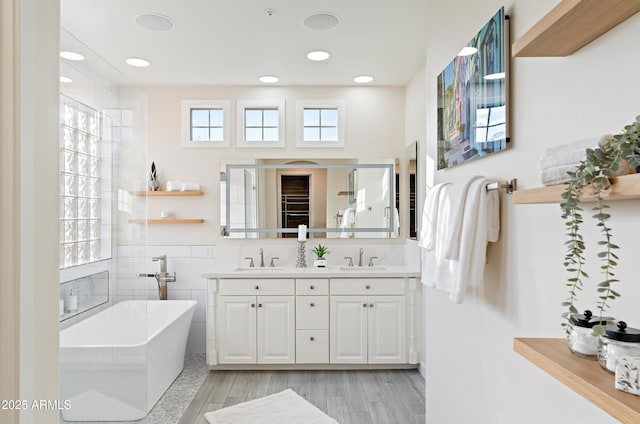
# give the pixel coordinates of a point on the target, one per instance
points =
(301, 105)
(188, 105)
(243, 105)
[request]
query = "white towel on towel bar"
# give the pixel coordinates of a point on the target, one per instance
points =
(430, 217)
(458, 197)
(348, 219)
(479, 224)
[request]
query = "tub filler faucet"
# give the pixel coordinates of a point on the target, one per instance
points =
(162, 277)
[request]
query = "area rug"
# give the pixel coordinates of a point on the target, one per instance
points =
(286, 407)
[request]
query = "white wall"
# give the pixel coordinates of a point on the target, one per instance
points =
(473, 374)
(374, 117)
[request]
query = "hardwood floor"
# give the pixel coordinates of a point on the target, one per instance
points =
(350, 397)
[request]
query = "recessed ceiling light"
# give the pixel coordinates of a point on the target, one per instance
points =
(467, 51)
(318, 55)
(269, 79)
(155, 21)
(496, 76)
(363, 79)
(65, 79)
(138, 62)
(71, 56)
(321, 21)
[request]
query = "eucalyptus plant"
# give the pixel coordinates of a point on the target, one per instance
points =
(595, 171)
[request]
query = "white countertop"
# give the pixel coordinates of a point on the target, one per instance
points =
(310, 272)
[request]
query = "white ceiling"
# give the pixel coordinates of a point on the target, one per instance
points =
(232, 42)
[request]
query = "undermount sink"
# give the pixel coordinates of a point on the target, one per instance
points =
(362, 268)
(259, 269)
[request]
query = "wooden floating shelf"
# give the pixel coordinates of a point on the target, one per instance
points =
(622, 188)
(571, 25)
(166, 221)
(344, 193)
(583, 376)
(168, 193)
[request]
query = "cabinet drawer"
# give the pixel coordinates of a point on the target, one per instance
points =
(312, 312)
(312, 286)
(367, 286)
(256, 286)
(312, 346)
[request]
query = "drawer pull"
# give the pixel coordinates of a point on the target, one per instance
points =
(259, 305)
(371, 305)
(253, 305)
(257, 287)
(367, 287)
(311, 287)
(364, 305)
(312, 338)
(312, 305)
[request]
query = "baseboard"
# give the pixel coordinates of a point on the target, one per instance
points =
(422, 370)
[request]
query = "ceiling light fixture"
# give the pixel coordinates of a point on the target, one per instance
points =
(318, 55)
(71, 56)
(321, 21)
(363, 79)
(269, 79)
(496, 76)
(154, 21)
(467, 51)
(138, 62)
(65, 79)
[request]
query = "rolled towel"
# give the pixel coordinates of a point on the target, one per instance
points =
(173, 185)
(570, 153)
(189, 187)
(556, 175)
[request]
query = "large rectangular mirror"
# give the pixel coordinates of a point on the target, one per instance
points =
(334, 198)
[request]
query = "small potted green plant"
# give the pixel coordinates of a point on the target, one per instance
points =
(320, 251)
(154, 183)
(595, 172)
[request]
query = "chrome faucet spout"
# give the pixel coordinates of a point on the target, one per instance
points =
(360, 263)
(261, 258)
(163, 262)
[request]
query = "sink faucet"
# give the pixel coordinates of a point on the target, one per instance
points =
(162, 277)
(261, 257)
(360, 257)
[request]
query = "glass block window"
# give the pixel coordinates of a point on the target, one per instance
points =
(80, 183)
(261, 124)
(207, 124)
(320, 124)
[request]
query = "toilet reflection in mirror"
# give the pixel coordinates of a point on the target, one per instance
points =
(335, 198)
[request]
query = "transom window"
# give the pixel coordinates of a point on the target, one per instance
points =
(80, 184)
(261, 124)
(207, 124)
(320, 124)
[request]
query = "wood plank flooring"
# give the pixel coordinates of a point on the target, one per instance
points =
(350, 397)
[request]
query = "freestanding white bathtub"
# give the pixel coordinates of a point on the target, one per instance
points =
(116, 364)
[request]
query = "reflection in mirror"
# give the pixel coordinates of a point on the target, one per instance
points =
(334, 198)
(412, 156)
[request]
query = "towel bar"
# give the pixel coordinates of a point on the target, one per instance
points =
(511, 185)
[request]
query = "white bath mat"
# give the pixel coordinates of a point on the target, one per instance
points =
(286, 407)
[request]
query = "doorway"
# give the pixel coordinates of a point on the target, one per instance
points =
(295, 202)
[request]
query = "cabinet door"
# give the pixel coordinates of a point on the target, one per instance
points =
(348, 330)
(387, 330)
(276, 330)
(237, 329)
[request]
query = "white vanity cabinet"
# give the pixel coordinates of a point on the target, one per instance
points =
(368, 321)
(309, 322)
(256, 321)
